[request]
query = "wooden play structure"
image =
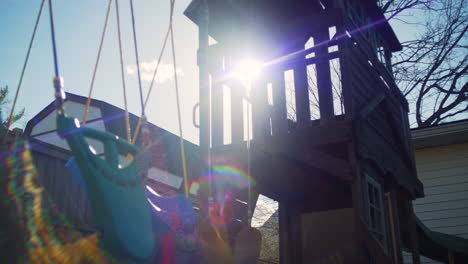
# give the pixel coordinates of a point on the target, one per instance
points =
(343, 170)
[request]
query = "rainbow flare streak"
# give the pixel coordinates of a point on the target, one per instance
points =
(230, 174)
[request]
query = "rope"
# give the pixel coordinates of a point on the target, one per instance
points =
(182, 150)
(127, 118)
(137, 129)
(249, 194)
(54, 44)
(96, 65)
(157, 65)
(10, 118)
(137, 60)
(58, 81)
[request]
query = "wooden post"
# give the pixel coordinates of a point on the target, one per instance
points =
(290, 234)
(237, 109)
(345, 68)
(451, 257)
(285, 242)
(356, 190)
(260, 116)
(394, 228)
(296, 236)
(301, 87)
(204, 89)
(279, 117)
(324, 83)
(217, 131)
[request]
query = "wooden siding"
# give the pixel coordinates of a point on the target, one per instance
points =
(379, 109)
(60, 186)
(444, 172)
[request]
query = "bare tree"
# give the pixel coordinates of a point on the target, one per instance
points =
(4, 108)
(432, 69)
(393, 8)
(265, 219)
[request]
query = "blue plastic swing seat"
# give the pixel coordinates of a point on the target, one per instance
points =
(118, 202)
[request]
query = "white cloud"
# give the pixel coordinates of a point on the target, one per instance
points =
(165, 71)
(131, 70)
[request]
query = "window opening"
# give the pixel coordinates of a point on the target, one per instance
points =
(337, 88)
(227, 122)
(212, 41)
(290, 95)
(375, 210)
(310, 44)
(332, 34)
(313, 92)
(270, 93)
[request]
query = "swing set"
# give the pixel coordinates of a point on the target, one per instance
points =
(119, 205)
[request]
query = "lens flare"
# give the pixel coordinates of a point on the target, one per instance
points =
(231, 175)
(247, 71)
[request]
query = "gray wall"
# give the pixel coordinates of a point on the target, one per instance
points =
(444, 172)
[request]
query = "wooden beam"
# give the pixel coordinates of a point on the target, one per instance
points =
(237, 109)
(290, 235)
(217, 106)
(451, 257)
(318, 159)
(324, 83)
(279, 112)
(284, 234)
(301, 87)
(314, 136)
(300, 146)
(344, 45)
(203, 86)
(291, 62)
(296, 233)
(204, 93)
(367, 109)
(260, 109)
(394, 228)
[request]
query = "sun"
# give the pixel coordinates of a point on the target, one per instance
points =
(247, 71)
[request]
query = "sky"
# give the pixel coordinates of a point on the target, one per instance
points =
(78, 26)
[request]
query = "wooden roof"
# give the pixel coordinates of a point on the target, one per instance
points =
(236, 21)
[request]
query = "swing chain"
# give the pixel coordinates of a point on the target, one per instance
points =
(59, 94)
(145, 132)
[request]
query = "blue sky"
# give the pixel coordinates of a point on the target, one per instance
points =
(78, 28)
